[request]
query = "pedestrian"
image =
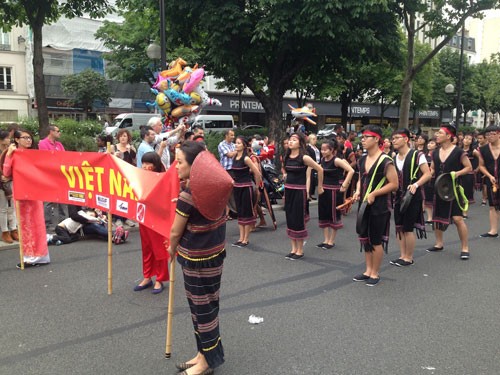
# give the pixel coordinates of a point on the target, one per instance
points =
(148, 138)
(449, 158)
(489, 165)
(242, 170)
(377, 180)
(154, 254)
(31, 219)
(315, 154)
(334, 185)
(429, 186)
(413, 173)
(124, 148)
(227, 152)
(198, 237)
(8, 221)
(480, 179)
(51, 143)
(469, 180)
(296, 206)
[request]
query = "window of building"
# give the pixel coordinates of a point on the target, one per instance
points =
(5, 78)
(469, 43)
(57, 62)
(4, 41)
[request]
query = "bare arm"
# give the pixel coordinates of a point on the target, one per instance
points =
(255, 171)
(318, 168)
(178, 227)
(426, 177)
(350, 172)
(467, 166)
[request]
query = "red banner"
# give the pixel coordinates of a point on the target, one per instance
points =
(97, 180)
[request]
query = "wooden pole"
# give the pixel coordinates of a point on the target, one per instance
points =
(170, 314)
(110, 243)
(19, 233)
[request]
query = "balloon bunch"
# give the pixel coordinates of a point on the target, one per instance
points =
(179, 95)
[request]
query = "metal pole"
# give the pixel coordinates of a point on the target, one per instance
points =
(163, 42)
(460, 77)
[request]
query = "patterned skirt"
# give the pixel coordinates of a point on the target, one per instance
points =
(202, 291)
(328, 215)
(297, 213)
(245, 205)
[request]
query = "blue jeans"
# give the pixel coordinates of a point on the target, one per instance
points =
(100, 230)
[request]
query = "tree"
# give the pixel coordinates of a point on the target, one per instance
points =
(484, 83)
(441, 20)
(127, 41)
(35, 14)
(266, 44)
(86, 87)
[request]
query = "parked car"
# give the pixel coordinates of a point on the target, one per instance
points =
(328, 131)
(253, 126)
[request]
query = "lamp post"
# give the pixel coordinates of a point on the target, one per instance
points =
(163, 46)
(460, 77)
(449, 89)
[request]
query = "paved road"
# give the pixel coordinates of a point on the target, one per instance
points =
(440, 316)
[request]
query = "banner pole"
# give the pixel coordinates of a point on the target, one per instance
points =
(19, 233)
(110, 242)
(170, 314)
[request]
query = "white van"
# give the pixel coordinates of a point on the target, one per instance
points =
(129, 121)
(214, 123)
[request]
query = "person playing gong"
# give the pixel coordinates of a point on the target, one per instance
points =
(413, 173)
(489, 165)
(453, 160)
(377, 179)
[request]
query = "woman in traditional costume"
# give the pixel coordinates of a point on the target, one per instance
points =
(468, 181)
(31, 218)
(296, 205)
(243, 168)
(334, 185)
(198, 235)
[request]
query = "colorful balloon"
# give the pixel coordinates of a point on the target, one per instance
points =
(193, 80)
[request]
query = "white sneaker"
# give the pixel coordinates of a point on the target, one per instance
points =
(119, 223)
(130, 223)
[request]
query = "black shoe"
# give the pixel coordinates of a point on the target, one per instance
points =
(483, 203)
(297, 256)
(31, 265)
(433, 249)
(313, 197)
(488, 235)
(361, 277)
(428, 222)
(328, 247)
(236, 244)
(405, 263)
(395, 262)
(289, 256)
(243, 244)
(464, 255)
(372, 282)
(320, 245)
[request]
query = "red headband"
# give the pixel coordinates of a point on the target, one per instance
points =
(367, 132)
(447, 131)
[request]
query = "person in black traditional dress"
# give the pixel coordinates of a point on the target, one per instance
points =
(413, 173)
(480, 179)
(489, 165)
(199, 242)
(377, 179)
(296, 205)
(242, 170)
(469, 180)
(429, 186)
(449, 159)
(334, 184)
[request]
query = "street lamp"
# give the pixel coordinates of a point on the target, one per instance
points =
(153, 51)
(449, 89)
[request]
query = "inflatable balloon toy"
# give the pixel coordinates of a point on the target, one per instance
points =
(177, 98)
(303, 113)
(194, 79)
(195, 98)
(175, 68)
(185, 110)
(205, 99)
(163, 102)
(183, 77)
(160, 83)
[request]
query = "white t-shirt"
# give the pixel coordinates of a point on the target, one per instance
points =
(400, 163)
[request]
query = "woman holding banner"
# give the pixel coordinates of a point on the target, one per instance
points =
(31, 218)
(154, 255)
(198, 236)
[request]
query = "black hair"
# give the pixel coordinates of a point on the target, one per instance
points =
(302, 143)
(374, 129)
(4, 134)
(105, 138)
(404, 132)
(191, 149)
(188, 134)
(491, 128)
(245, 145)
(17, 135)
(226, 132)
(155, 159)
(332, 144)
(145, 130)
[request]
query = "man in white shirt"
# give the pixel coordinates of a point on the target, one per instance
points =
(163, 141)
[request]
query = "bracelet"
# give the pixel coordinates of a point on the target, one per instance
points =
(416, 184)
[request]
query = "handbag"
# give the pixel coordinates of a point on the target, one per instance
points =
(6, 186)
